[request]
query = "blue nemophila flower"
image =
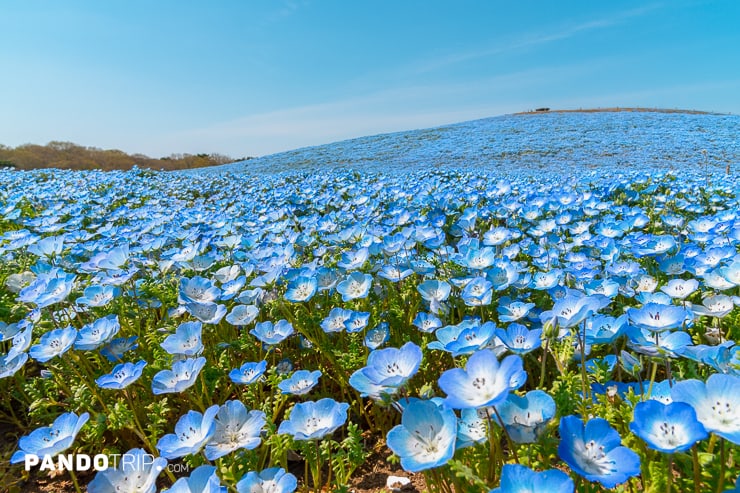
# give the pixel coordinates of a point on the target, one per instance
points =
(483, 382)
(356, 321)
(520, 340)
(387, 370)
(207, 312)
(477, 292)
(426, 436)
(242, 315)
(356, 285)
(97, 296)
(121, 376)
(302, 288)
(574, 308)
(248, 372)
(203, 479)
(472, 428)
(12, 362)
(714, 306)
(377, 336)
(53, 343)
(337, 320)
(658, 344)
(198, 290)
(272, 334)
(272, 480)
(300, 382)
(192, 432)
(51, 246)
(525, 418)
(116, 348)
(97, 333)
(231, 288)
(394, 273)
(512, 311)
(603, 329)
(466, 337)
(50, 440)
(657, 317)
(434, 290)
(236, 428)
(138, 473)
(667, 428)
(313, 420)
(594, 451)
(680, 288)
(717, 403)
(521, 479)
(426, 322)
(181, 377)
(186, 340)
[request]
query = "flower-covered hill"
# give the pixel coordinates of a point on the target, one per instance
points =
(529, 143)
(524, 327)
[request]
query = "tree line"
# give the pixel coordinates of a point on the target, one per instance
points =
(67, 155)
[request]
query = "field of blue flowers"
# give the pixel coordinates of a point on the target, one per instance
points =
(563, 324)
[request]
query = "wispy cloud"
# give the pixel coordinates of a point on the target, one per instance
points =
(531, 40)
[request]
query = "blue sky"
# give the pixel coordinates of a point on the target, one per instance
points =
(249, 78)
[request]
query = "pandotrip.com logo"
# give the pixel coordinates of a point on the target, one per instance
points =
(98, 462)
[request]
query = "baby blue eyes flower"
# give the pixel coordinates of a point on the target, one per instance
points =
(301, 288)
(426, 322)
(680, 289)
(121, 376)
(300, 383)
(717, 403)
(248, 372)
(116, 348)
(667, 428)
(434, 290)
(53, 343)
(242, 315)
(185, 341)
(50, 440)
(387, 370)
(521, 479)
(356, 285)
(202, 480)
(477, 292)
(657, 317)
(525, 418)
(377, 336)
(272, 480)
(137, 474)
(313, 420)
(12, 362)
(198, 290)
(94, 335)
(270, 333)
(236, 428)
(520, 340)
(97, 296)
(181, 377)
(594, 451)
(426, 436)
(484, 382)
(207, 312)
(574, 308)
(192, 431)
(510, 312)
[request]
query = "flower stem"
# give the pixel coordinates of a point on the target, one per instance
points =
(74, 480)
(669, 473)
(697, 470)
(722, 465)
(543, 364)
